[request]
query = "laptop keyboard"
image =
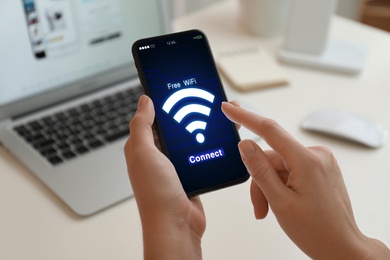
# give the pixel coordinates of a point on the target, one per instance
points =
(70, 133)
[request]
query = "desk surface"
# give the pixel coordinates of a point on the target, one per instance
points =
(34, 224)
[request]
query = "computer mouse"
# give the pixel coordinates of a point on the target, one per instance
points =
(346, 125)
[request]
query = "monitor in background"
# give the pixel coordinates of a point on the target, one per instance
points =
(50, 44)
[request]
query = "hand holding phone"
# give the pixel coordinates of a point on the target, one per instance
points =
(178, 73)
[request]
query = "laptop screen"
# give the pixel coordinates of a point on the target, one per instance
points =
(50, 44)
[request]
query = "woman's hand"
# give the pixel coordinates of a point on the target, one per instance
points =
(305, 189)
(172, 223)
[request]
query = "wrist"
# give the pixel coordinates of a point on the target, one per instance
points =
(171, 238)
(367, 248)
(375, 249)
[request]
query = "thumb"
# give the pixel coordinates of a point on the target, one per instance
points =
(262, 171)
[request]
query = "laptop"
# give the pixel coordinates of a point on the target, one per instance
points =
(68, 89)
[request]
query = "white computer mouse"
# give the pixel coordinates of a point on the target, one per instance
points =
(346, 125)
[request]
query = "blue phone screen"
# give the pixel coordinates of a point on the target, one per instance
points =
(179, 74)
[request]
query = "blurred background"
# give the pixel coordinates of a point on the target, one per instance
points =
(372, 12)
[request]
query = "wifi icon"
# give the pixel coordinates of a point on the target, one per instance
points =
(190, 108)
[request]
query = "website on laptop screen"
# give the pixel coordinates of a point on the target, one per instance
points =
(47, 44)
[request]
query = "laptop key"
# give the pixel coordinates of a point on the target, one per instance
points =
(55, 160)
(22, 130)
(48, 152)
(63, 146)
(68, 154)
(94, 143)
(42, 143)
(35, 125)
(81, 149)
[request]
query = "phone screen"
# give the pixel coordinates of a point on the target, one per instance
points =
(179, 74)
(34, 27)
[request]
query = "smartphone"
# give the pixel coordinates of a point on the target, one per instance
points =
(178, 73)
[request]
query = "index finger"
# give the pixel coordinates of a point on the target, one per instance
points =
(278, 138)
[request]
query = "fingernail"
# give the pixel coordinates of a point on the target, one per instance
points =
(142, 101)
(247, 149)
(227, 104)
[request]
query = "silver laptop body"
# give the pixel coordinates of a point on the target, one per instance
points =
(58, 55)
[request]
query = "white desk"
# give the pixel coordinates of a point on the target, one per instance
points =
(34, 224)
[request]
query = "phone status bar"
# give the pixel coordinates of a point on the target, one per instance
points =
(145, 47)
(169, 42)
